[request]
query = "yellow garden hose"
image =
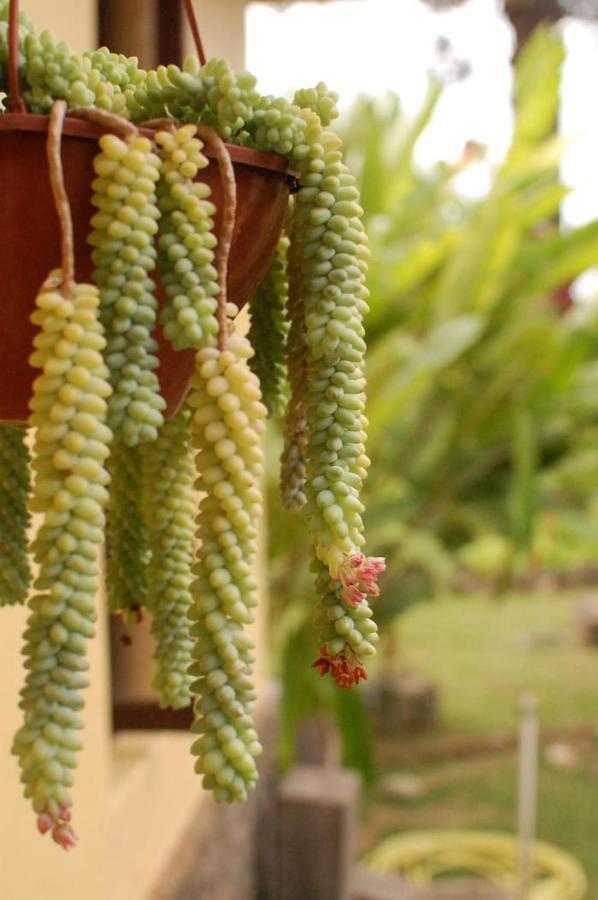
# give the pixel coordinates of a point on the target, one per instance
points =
(422, 856)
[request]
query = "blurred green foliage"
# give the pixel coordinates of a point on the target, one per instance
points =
(483, 383)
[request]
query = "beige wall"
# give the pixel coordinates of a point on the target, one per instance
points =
(222, 27)
(73, 21)
(33, 867)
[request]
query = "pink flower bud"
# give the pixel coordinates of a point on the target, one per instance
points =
(351, 595)
(65, 836)
(44, 822)
(64, 812)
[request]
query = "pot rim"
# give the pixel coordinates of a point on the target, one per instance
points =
(87, 130)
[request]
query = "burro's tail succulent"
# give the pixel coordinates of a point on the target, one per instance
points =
(184, 550)
(226, 426)
(68, 412)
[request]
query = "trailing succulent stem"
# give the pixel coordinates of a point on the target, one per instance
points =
(72, 441)
(226, 426)
(124, 255)
(128, 552)
(14, 518)
(268, 332)
(187, 241)
(293, 463)
(169, 507)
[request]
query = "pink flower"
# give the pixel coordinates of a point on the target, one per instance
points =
(64, 812)
(359, 576)
(345, 671)
(44, 822)
(64, 835)
(352, 595)
(323, 662)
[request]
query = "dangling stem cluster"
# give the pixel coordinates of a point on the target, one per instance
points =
(226, 426)
(187, 241)
(192, 571)
(268, 332)
(325, 428)
(293, 463)
(123, 230)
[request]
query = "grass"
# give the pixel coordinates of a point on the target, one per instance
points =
(481, 794)
(480, 654)
(477, 649)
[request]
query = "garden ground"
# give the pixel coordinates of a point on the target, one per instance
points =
(483, 653)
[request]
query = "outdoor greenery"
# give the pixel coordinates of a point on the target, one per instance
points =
(483, 381)
(483, 655)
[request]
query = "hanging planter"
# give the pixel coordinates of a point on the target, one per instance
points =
(156, 222)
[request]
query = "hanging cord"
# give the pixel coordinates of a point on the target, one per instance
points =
(111, 122)
(16, 103)
(194, 26)
(61, 199)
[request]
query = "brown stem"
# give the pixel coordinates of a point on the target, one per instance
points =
(61, 199)
(194, 26)
(218, 150)
(16, 103)
(110, 121)
(167, 124)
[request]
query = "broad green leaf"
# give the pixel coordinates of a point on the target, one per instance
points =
(537, 75)
(473, 278)
(443, 346)
(545, 263)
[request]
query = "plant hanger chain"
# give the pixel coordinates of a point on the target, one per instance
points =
(194, 26)
(16, 104)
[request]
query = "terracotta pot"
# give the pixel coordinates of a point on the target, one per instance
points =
(30, 239)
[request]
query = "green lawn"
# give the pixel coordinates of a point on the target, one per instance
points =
(475, 649)
(481, 793)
